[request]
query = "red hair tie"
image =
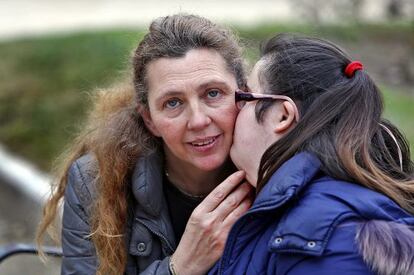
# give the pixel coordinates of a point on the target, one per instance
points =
(352, 67)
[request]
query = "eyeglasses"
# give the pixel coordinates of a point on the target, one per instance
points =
(243, 97)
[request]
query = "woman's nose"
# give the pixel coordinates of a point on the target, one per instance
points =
(199, 119)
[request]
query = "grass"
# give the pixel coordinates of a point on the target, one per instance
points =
(399, 110)
(44, 82)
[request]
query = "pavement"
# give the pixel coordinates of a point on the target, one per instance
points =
(29, 17)
(19, 216)
(19, 18)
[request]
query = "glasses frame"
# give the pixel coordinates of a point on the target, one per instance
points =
(240, 95)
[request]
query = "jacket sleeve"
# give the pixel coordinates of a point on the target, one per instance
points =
(78, 251)
(159, 267)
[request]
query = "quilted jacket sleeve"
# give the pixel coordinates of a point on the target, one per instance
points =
(159, 267)
(78, 251)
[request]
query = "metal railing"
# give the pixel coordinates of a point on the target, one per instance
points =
(23, 248)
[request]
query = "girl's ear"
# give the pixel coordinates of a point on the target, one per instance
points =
(287, 119)
(146, 117)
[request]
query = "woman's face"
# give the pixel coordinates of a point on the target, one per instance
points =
(251, 138)
(191, 107)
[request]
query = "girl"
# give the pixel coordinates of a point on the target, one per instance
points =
(334, 179)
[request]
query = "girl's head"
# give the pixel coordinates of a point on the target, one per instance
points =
(186, 70)
(339, 118)
(256, 130)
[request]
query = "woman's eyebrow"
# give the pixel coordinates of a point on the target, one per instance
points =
(170, 93)
(208, 84)
(167, 94)
(201, 87)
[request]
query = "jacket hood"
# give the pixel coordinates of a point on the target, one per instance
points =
(387, 247)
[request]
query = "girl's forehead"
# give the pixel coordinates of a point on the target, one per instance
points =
(253, 82)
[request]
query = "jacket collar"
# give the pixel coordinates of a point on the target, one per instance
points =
(288, 180)
(147, 182)
(151, 210)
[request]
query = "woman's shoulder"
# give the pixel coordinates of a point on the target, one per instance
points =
(83, 168)
(81, 181)
(83, 173)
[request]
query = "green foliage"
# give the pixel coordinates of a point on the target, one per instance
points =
(348, 32)
(399, 110)
(44, 82)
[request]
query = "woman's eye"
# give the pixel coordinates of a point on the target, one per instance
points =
(172, 103)
(213, 93)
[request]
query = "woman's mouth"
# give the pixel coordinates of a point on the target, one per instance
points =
(206, 144)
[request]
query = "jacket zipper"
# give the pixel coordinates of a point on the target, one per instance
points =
(230, 243)
(161, 236)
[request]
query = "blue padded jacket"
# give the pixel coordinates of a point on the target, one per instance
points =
(304, 222)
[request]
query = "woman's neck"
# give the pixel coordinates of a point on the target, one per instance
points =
(195, 181)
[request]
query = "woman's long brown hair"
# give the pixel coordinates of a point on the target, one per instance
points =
(116, 135)
(341, 118)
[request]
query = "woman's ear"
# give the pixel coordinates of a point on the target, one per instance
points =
(286, 119)
(146, 117)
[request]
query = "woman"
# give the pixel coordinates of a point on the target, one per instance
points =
(335, 181)
(148, 157)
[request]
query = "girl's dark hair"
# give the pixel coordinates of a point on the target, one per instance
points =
(340, 118)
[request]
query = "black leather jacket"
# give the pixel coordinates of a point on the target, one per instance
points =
(150, 236)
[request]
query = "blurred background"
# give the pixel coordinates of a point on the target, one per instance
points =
(54, 53)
